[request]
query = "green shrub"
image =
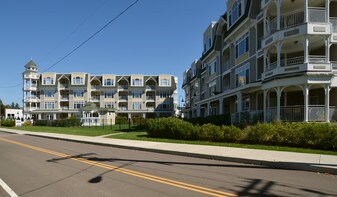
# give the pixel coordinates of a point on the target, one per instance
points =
(8, 123)
(27, 123)
(70, 122)
(211, 132)
(233, 134)
(121, 120)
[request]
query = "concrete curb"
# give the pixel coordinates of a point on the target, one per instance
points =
(277, 165)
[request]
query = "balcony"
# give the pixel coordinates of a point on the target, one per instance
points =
(123, 108)
(334, 65)
(95, 87)
(292, 19)
(150, 98)
(122, 87)
(333, 21)
(64, 107)
(31, 76)
(32, 99)
(123, 98)
(63, 86)
(150, 87)
(64, 98)
(31, 87)
(95, 98)
(226, 66)
(151, 109)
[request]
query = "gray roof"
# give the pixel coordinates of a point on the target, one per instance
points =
(30, 64)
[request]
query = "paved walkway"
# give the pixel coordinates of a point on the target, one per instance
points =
(277, 159)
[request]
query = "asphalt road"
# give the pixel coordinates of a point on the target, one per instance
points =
(40, 167)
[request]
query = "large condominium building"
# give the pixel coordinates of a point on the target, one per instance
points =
(267, 60)
(57, 96)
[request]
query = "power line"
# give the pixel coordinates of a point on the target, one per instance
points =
(84, 42)
(92, 36)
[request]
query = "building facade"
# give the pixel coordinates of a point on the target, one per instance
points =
(58, 96)
(267, 60)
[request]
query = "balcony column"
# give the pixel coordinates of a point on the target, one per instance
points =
(278, 94)
(327, 11)
(264, 23)
(306, 6)
(39, 116)
(208, 111)
(278, 49)
(221, 106)
(327, 104)
(265, 93)
(306, 50)
(306, 103)
(327, 50)
(264, 61)
(278, 14)
(54, 116)
(198, 110)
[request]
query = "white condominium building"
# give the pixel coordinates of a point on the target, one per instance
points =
(267, 60)
(58, 96)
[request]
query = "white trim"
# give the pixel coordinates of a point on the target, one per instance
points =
(7, 189)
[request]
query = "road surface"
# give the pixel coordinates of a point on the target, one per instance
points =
(40, 167)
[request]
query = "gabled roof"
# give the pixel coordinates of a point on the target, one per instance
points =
(31, 64)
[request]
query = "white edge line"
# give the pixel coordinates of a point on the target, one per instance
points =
(7, 189)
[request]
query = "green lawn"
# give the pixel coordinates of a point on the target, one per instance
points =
(143, 136)
(86, 131)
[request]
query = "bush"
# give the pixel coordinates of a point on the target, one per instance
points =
(211, 132)
(305, 135)
(70, 122)
(121, 120)
(216, 120)
(8, 123)
(27, 123)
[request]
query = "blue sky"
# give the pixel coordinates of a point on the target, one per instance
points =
(153, 37)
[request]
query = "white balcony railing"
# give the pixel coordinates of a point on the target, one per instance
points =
(64, 98)
(316, 113)
(295, 18)
(297, 61)
(150, 98)
(123, 98)
(62, 85)
(95, 87)
(95, 98)
(123, 87)
(123, 108)
(334, 65)
(333, 21)
(150, 87)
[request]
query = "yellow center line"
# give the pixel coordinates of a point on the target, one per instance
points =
(158, 179)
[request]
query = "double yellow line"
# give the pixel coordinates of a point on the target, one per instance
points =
(170, 182)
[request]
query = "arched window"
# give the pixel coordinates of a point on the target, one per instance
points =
(77, 80)
(108, 82)
(48, 81)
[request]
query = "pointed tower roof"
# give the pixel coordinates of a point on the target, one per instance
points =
(31, 64)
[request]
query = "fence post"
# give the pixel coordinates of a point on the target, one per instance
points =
(96, 123)
(111, 124)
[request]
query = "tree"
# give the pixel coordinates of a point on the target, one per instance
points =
(17, 106)
(12, 105)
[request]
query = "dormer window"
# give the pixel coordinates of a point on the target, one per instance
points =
(137, 82)
(48, 81)
(165, 82)
(235, 13)
(208, 43)
(78, 80)
(108, 82)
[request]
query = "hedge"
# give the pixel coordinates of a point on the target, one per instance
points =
(305, 135)
(224, 119)
(70, 122)
(7, 123)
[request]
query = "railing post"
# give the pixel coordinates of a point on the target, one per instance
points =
(278, 94)
(327, 50)
(327, 11)
(265, 105)
(306, 49)
(278, 21)
(306, 18)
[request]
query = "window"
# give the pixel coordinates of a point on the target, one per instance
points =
(49, 105)
(235, 13)
(242, 45)
(108, 82)
(137, 82)
(165, 82)
(136, 105)
(212, 68)
(49, 93)
(78, 93)
(137, 95)
(48, 81)
(78, 104)
(242, 75)
(208, 43)
(78, 80)
(165, 106)
(109, 105)
(108, 95)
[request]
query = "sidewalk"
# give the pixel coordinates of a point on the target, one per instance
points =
(277, 159)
